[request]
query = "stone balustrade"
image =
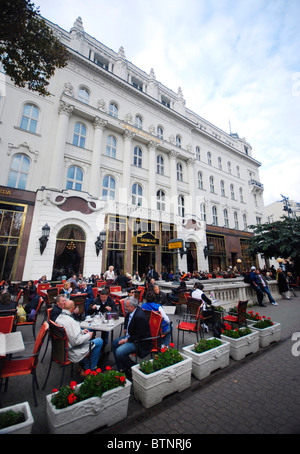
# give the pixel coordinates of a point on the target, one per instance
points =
(227, 292)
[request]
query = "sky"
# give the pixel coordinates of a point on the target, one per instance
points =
(236, 61)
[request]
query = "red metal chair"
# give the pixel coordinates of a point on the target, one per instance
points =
(116, 288)
(240, 317)
(41, 287)
(33, 321)
(101, 284)
(27, 364)
(95, 291)
(191, 323)
(155, 321)
(141, 288)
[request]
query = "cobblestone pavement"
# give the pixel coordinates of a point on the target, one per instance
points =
(258, 395)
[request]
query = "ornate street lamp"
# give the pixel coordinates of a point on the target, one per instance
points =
(44, 238)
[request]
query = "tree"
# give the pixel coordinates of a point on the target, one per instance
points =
(29, 51)
(277, 239)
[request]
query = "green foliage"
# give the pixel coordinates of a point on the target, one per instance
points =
(277, 239)
(10, 418)
(237, 333)
(94, 385)
(165, 358)
(29, 51)
(262, 324)
(206, 344)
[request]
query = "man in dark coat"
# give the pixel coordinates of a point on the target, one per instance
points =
(136, 327)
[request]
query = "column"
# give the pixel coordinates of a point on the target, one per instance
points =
(57, 161)
(152, 146)
(190, 205)
(99, 126)
(173, 180)
(125, 190)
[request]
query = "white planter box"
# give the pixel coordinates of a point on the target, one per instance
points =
(268, 335)
(90, 414)
(24, 427)
(152, 388)
(243, 346)
(205, 363)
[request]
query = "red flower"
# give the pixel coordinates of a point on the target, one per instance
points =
(71, 398)
(88, 371)
(54, 390)
(163, 350)
(122, 378)
(108, 368)
(172, 345)
(73, 384)
(98, 370)
(93, 372)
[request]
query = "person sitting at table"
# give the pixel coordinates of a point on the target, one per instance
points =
(74, 284)
(173, 297)
(103, 303)
(160, 297)
(136, 327)
(6, 303)
(43, 280)
(6, 287)
(109, 274)
(199, 294)
(31, 307)
(80, 339)
(59, 306)
(136, 280)
(66, 290)
(89, 295)
(151, 305)
(122, 280)
(32, 290)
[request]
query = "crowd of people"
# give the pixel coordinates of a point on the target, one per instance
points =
(89, 350)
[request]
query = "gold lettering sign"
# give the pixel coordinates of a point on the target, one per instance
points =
(177, 244)
(147, 238)
(141, 133)
(5, 192)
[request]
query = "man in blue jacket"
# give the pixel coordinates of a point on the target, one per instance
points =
(255, 284)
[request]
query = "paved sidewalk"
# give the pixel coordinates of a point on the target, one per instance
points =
(259, 394)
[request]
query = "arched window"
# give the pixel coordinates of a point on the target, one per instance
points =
(241, 195)
(160, 166)
(18, 173)
(226, 220)
(220, 163)
(238, 174)
(236, 220)
(30, 116)
(232, 192)
(245, 221)
(178, 141)
(209, 161)
(198, 153)
(160, 197)
(203, 212)
(179, 172)
(137, 194)
(79, 135)
(222, 187)
(211, 184)
(229, 167)
(108, 188)
(138, 122)
(215, 215)
(160, 132)
(137, 157)
(181, 206)
(113, 110)
(84, 95)
(111, 147)
(200, 180)
(74, 178)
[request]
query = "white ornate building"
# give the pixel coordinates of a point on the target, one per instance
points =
(113, 149)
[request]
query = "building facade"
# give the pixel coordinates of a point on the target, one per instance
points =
(112, 149)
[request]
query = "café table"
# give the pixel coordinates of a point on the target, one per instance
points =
(118, 294)
(99, 324)
(11, 343)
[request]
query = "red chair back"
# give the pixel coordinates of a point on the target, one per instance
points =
(100, 283)
(141, 288)
(116, 288)
(40, 287)
(155, 328)
(122, 306)
(6, 324)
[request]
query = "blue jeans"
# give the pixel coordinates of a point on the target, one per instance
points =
(267, 291)
(95, 353)
(121, 354)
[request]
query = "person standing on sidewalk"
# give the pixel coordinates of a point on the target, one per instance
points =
(255, 284)
(265, 288)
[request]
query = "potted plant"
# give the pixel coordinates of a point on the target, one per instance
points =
(208, 355)
(242, 342)
(252, 317)
(102, 399)
(16, 419)
(168, 372)
(268, 331)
